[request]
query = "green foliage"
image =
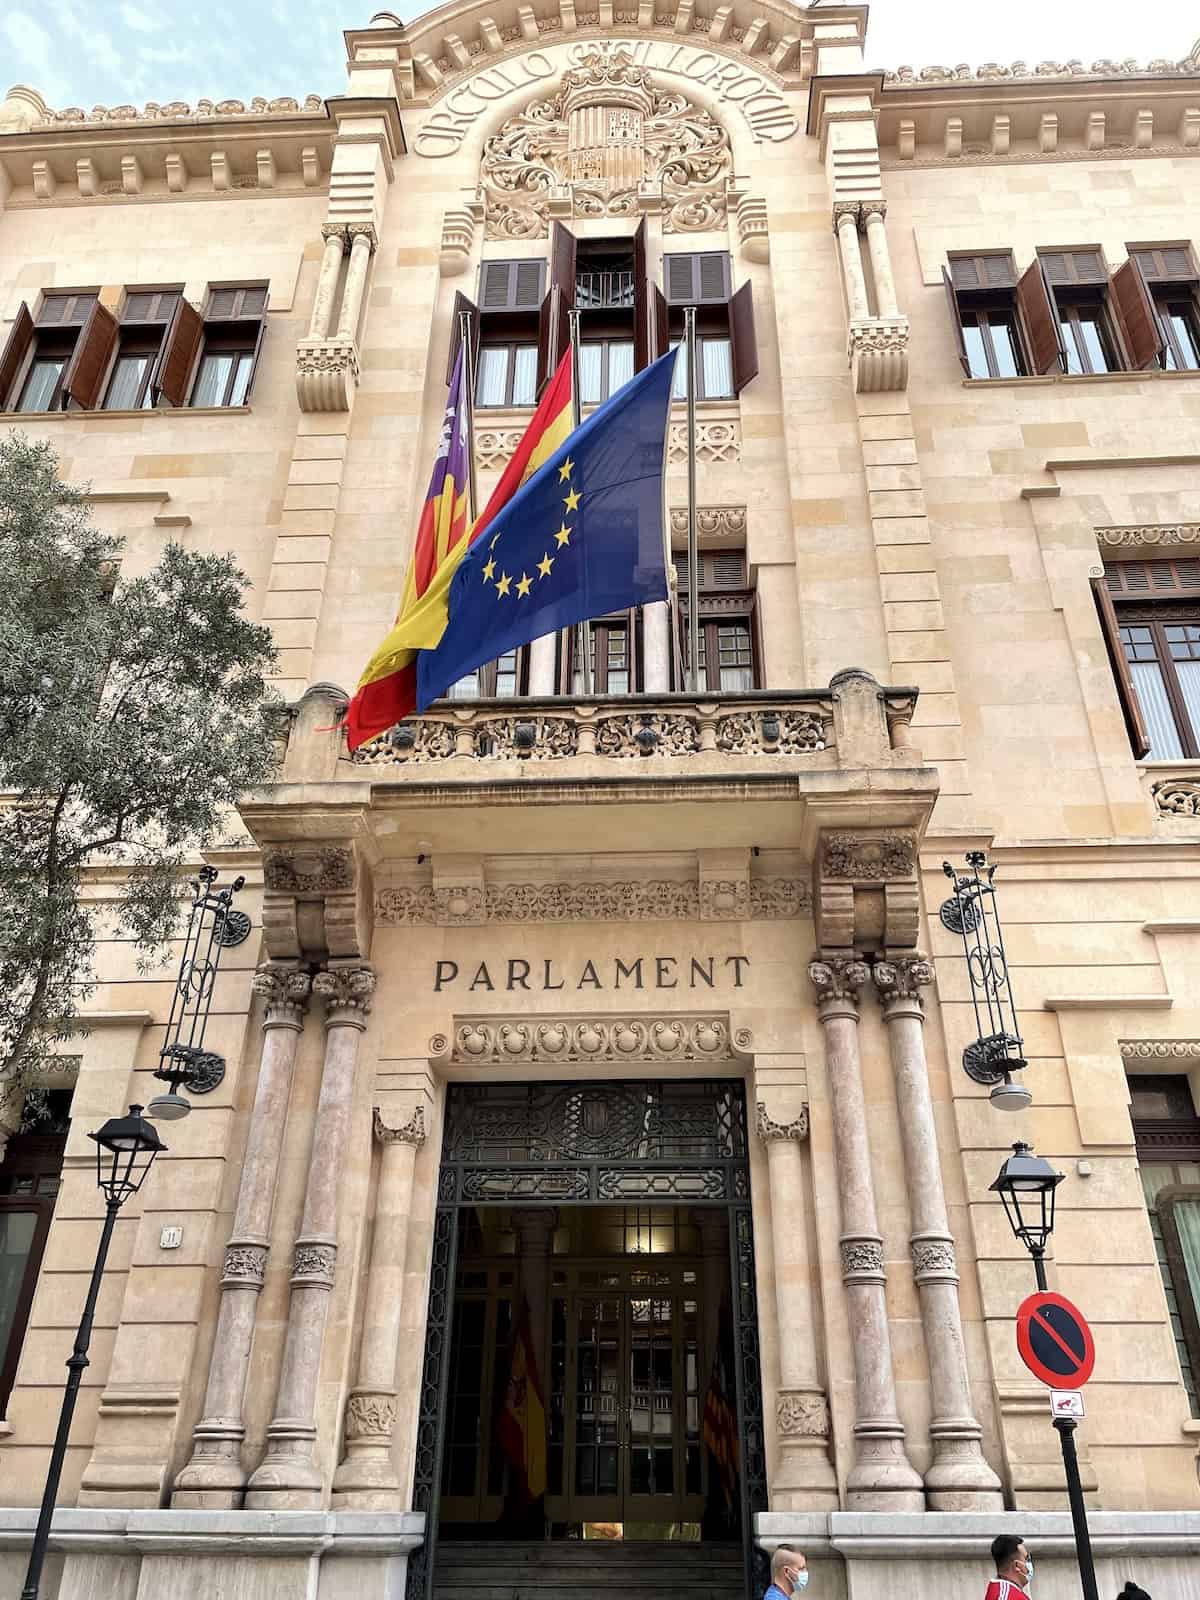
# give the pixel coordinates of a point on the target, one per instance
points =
(132, 715)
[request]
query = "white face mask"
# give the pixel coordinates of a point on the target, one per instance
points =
(1028, 1571)
(799, 1580)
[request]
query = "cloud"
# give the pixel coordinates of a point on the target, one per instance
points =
(34, 53)
(137, 19)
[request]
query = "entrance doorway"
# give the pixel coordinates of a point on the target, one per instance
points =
(591, 1372)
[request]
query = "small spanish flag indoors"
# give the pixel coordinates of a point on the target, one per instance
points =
(521, 1426)
(387, 690)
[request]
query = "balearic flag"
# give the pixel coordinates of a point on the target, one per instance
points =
(583, 537)
(387, 690)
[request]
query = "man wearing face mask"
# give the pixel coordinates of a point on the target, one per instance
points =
(1014, 1569)
(789, 1574)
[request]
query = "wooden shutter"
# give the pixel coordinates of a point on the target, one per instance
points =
(150, 305)
(643, 301)
(660, 327)
(510, 285)
(258, 344)
(89, 363)
(956, 319)
(1041, 321)
(180, 348)
(1136, 316)
(1126, 694)
(1072, 266)
(1139, 580)
(64, 310)
(680, 275)
(562, 260)
(554, 332)
(1166, 263)
(461, 304)
(717, 569)
(16, 348)
(742, 342)
(990, 271)
(699, 278)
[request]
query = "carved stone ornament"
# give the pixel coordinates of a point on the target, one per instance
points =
(606, 131)
(326, 374)
(801, 1414)
(715, 441)
(650, 900)
(623, 1039)
(347, 993)
(1177, 797)
(180, 111)
(314, 1263)
(903, 978)
(370, 1414)
(1139, 536)
(1160, 1049)
(868, 858)
(877, 353)
(838, 977)
(714, 524)
(458, 904)
(285, 990)
(410, 1132)
(862, 1260)
(768, 1129)
(934, 1259)
(310, 870)
(244, 1264)
(724, 899)
(992, 71)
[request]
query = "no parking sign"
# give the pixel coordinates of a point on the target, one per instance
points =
(1054, 1341)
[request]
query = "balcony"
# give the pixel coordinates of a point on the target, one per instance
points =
(604, 291)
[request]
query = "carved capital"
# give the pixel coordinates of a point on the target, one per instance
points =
(873, 208)
(877, 351)
(802, 1414)
(245, 1265)
(362, 230)
(862, 1258)
(286, 990)
(314, 1262)
(844, 210)
(902, 978)
(335, 230)
(933, 1259)
(768, 1129)
(410, 1132)
(370, 1414)
(347, 993)
(838, 978)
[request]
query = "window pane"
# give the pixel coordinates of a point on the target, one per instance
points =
(506, 674)
(679, 383)
(39, 386)
(735, 660)
(212, 380)
(525, 375)
(976, 348)
(620, 364)
(493, 376)
(465, 689)
(1189, 682)
(1093, 340)
(1184, 328)
(244, 360)
(1005, 345)
(717, 369)
(17, 1229)
(591, 368)
(1156, 708)
(126, 381)
(1074, 364)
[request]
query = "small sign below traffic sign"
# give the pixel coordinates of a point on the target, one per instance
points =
(1054, 1341)
(1066, 1403)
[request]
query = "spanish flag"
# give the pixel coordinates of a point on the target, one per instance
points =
(387, 690)
(521, 1426)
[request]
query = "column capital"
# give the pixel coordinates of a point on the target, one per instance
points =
(362, 230)
(410, 1132)
(862, 1258)
(335, 230)
(838, 978)
(347, 993)
(285, 988)
(873, 208)
(846, 210)
(901, 978)
(769, 1130)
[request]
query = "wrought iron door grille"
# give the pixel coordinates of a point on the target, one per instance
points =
(592, 1144)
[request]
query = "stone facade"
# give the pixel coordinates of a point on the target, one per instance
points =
(744, 885)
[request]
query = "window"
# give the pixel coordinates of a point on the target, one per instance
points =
(611, 647)
(605, 365)
(1170, 275)
(30, 1176)
(982, 290)
(37, 352)
(1155, 607)
(727, 347)
(503, 679)
(1167, 1136)
(145, 319)
(714, 369)
(1078, 285)
(507, 375)
(727, 647)
(231, 338)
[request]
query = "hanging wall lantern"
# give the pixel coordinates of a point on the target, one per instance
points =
(997, 1052)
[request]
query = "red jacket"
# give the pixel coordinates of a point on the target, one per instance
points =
(1004, 1589)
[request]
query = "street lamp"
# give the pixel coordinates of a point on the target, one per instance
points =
(1026, 1184)
(125, 1152)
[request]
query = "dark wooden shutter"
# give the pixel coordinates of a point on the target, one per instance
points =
(1072, 266)
(642, 301)
(660, 328)
(681, 276)
(64, 310)
(1041, 321)
(180, 348)
(16, 348)
(554, 332)
(1140, 580)
(742, 342)
(992, 271)
(88, 366)
(461, 304)
(698, 278)
(258, 344)
(562, 260)
(714, 277)
(1126, 693)
(510, 285)
(1136, 316)
(1166, 263)
(956, 319)
(717, 569)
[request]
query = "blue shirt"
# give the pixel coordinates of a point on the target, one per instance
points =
(775, 1593)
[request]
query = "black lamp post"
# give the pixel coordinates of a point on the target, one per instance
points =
(125, 1151)
(996, 1053)
(1026, 1184)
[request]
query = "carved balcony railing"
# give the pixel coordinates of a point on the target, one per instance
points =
(1174, 791)
(624, 733)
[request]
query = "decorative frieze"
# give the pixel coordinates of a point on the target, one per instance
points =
(641, 900)
(592, 1040)
(281, 106)
(715, 525)
(317, 870)
(994, 71)
(715, 441)
(1160, 1049)
(1139, 536)
(866, 857)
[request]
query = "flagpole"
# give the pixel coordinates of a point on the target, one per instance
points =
(582, 637)
(689, 334)
(468, 390)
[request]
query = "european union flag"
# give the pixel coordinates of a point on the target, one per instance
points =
(582, 538)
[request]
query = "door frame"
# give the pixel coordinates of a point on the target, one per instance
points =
(613, 1142)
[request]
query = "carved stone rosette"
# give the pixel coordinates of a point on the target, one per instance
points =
(594, 1039)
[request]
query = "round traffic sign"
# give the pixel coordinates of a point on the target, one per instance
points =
(1054, 1341)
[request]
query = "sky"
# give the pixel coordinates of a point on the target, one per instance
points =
(116, 52)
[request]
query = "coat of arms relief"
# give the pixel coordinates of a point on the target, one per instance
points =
(607, 132)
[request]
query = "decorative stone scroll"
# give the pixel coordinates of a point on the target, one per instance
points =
(1177, 797)
(411, 1132)
(592, 1040)
(994, 71)
(640, 900)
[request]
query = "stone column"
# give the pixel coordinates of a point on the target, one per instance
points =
(845, 218)
(874, 212)
(213, 1479)
(959, 1478)
(804, 1479)
(289, 1479)
(362, 237)
(882, 1478)
(543, 659)
(656, 645)
(331, 266)
(366, 1479)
